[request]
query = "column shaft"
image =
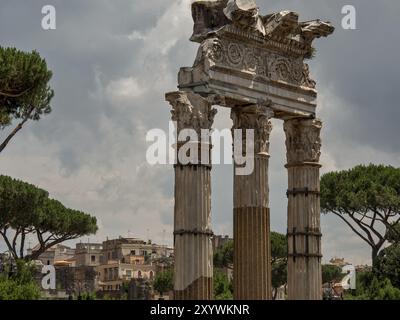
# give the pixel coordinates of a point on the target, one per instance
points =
(304, 233)
(193, 247)
(252, 255)
(192, 212)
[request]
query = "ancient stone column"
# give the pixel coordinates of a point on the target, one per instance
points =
(192, 214)
(303, 145)
(252, 251)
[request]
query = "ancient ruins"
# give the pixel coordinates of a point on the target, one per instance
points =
(255, 65)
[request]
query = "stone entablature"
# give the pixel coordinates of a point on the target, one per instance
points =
(249, 57)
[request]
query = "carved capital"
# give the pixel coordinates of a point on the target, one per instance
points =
(192, 111)
(303, 141)
(258, 118)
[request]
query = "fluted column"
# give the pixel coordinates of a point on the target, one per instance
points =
(192, 214)
(252, 251)
(303, 145)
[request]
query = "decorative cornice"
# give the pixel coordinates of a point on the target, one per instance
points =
(277, 43)
(282, 30)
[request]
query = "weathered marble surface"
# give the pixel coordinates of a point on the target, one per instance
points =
(251, 216)
(246, 57)
(192, 210)
(303, 145)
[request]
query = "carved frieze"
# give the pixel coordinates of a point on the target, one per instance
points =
(243, 57)
(234, 55)
(289, 70)
(303, 141)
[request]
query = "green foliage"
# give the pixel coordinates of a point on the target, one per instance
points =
(394, 234)
(361, 189)
(279, 260)
(26, 209)
(55, 218)
(383, 290)
(24, 79)
(311, 53)
(279, 274)
(106, 297)
(89, 296)
(222, 286)
(331, 273)
(164, 281)
(18, 202)
(388, 264)
(11, 290)
(372, 287)
(20, 285)
(223, 258)
(278, 246)
(367, 199)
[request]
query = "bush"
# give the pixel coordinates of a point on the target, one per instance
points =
(20, 285)
(372, 287)
(222, 286)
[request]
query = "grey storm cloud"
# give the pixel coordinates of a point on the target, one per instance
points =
(114, 60)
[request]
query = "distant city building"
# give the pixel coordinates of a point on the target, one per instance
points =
(88, 254)
(128, 249)
(54, 254)
(363, 268)
(219, 241)
(339, 262)
(112, 276)
(75, 280)
(114, 267)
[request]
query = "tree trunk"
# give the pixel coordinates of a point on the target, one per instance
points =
(15, 131)
(374, 256)
(21, 249)
(9, 246)
(275, 293)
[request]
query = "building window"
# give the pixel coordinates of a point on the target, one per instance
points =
(139, 274)
(93, 259)
(133, 252)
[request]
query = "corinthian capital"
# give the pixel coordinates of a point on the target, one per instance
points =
(303, 141)
(191, 111)
(258, 118)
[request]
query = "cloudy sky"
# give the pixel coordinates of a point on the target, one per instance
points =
(114, 60)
